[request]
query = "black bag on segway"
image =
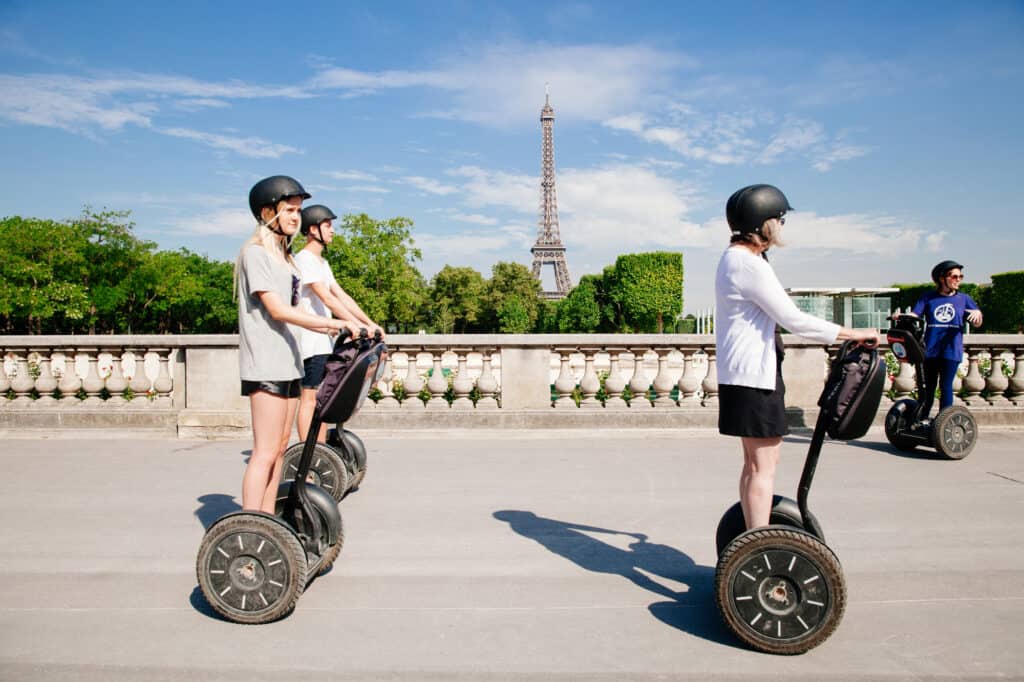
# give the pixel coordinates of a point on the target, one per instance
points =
(852, 391)
(350, 372)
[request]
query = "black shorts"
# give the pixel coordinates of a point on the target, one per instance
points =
(314, 367)
(753, 412)
(285, 389)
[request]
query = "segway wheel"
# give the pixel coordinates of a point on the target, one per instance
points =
(251, 568)
(326, 469)
(319, 565)
(353, 451)
(954, 432)
(780, 590)
(897, 422)
(785, 512)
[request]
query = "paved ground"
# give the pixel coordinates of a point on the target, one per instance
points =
(506, 555)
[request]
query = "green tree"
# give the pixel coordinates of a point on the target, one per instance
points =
(649, 287)
(511, 281)
(456, 296)
(1006, 302)
(374, 261)
(579, 312)
(513, 316)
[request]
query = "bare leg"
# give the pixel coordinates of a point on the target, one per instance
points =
(307, 403)
(757, 481)
(269, 422)
(270, 495)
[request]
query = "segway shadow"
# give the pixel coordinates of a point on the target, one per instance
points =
(252, 567)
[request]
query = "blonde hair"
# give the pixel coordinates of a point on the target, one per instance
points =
(273, 242)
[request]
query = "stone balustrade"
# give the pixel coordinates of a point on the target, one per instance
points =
(189, 383)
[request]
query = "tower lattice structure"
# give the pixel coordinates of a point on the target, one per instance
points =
(548, 250)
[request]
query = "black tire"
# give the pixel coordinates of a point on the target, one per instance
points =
(318, 565)
(954, 432)
(897, 423)
(251, 568)
(358, 449)
(326, 469)
(780, 590)
(785, 512)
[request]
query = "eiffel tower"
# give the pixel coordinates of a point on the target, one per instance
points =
(548, 249)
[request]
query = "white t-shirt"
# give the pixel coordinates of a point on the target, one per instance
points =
(749, 302)
(313, 269)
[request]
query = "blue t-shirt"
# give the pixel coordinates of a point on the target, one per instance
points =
(944, 316)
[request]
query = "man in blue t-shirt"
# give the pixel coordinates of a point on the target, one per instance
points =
(945, 311)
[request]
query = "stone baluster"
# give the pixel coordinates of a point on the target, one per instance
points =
(70, 382)
(996, 382)
(46, 383)
(974, 382)
(163, 384)
(92, 384)
(387, 401)
(413, 383)
(462, 385)
(614, 383)
(565, 383)
(688, 383)
(5, 381)
(116, 383)
(1016, 386)
(662, 384)
(22, 383)
(486, 384)
(140, 383)
(639, 383)
(710, 384)
(905, 382)
(437, 385)
(590, 384)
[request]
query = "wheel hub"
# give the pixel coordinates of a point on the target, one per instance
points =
(780, 594)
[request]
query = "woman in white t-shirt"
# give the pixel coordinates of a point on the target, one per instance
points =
(751, 305)
(269, 362)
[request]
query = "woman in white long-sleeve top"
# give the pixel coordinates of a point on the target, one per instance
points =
(751, 305)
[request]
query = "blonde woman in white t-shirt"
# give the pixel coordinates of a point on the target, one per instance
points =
(751, 305)
(270, 365)
(320, 295)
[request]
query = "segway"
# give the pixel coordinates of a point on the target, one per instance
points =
(339, 465)
(252, 567)
(954, 432)
(779, 587)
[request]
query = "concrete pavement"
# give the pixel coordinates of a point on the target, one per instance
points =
(493, 555)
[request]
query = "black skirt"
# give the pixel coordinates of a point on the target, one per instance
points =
(753, 412)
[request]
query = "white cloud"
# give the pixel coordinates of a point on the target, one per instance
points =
(254, 147)
(795, 135)
(224, 222)
(372, 189)
(429, 185)
(474, 218)
(502, 84)
(856, 233)
(351, 175)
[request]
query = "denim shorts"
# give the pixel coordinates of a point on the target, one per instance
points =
(285, 389)
(315, 367)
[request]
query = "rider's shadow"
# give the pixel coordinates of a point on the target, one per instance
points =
(691, 610)
(213, 506)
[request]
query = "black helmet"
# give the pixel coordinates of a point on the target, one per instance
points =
(748, 208)
(940, 270)
(269, 191)
(314, 215)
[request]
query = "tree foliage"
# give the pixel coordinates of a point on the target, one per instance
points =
(456, 298)
(649, 287)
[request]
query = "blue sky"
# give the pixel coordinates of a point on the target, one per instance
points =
(895, 129)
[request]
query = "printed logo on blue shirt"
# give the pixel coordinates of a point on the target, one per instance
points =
(945, 313)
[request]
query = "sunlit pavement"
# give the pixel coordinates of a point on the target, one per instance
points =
(506, 555)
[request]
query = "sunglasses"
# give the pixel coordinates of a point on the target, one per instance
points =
(295, 290)
(954, 276)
